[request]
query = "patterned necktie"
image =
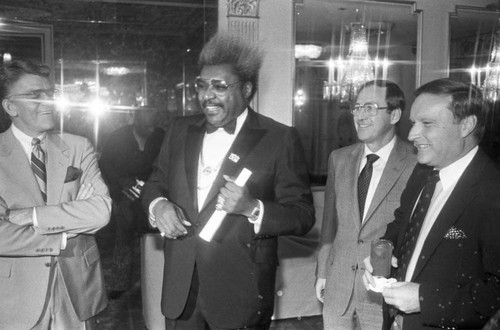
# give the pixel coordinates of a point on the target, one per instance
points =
(416, 221)
(364, 182)
(38, 166)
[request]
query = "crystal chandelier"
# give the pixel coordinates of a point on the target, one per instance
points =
(491, 87)
(359, 68)
(347, 75)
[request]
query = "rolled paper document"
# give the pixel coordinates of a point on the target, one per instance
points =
(213, 224)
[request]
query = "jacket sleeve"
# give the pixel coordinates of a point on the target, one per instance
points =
(330, 221)
(85, 216)
(24, 241)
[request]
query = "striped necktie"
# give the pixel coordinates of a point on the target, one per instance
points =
(38, 166)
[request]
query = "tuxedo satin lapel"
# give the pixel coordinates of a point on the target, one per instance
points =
(234, 160)
(17, 166)
(194, 142)
(462, 195)
(392, 171)
(57, 162)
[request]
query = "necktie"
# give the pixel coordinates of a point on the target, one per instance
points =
(364, 182)
(229, 127)
(38, 166)
(416, 221)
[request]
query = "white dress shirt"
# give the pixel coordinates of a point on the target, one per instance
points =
(378, 169)
(448, 178)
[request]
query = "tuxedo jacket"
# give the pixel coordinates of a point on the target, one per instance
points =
(28, 254)
(345, 241)
(236, 270)
(459, 266)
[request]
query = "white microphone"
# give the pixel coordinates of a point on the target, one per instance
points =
(213, 224)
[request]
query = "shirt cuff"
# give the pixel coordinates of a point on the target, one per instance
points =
(35, 219)
(152, 220)
(258, 222)
(64, 241)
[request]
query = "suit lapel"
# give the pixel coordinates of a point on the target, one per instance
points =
(351, 187)
(57, 164)
(17, 166)
(234, 160)
(459, 199)
(393, 169)
(194, 142)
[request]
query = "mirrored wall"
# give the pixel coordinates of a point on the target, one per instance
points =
(118, 56)
(475, 58)
(340, 44)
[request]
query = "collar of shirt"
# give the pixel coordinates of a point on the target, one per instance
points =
(25, 139)
(383, 154)
(239, 123)
(451, 173)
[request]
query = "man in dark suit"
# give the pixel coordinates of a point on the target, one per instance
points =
(446, 237)
(349, 228)
(228, 282)
(52, 202)
(126, 161)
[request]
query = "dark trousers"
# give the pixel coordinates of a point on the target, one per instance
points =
(192, 317)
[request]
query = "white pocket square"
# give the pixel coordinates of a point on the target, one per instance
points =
(455, 233)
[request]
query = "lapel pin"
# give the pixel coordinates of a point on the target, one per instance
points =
(235, 158)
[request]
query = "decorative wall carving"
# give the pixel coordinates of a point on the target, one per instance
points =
(244, 8)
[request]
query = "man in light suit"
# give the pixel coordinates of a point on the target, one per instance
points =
(448, 264)
(50, 272)
(227, 283)
(348, 227)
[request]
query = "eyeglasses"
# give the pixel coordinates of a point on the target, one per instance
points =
(369, 108)
(37, 94)
(219, 86)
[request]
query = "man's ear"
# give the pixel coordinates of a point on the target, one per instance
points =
(9, 107)
(247, 89)
(395, 116)
(467, 125)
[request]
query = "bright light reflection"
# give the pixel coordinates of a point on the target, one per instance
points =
(62, 104)
(300, 98)
(98, 107)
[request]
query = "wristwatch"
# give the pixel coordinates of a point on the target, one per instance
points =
(255, 213)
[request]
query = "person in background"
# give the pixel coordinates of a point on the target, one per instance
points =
(52, 202)
(445, 233)
(126, 163)
(227, 283)
(365, 181)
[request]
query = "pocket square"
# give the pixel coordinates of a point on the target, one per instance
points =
(72, 174)
(455, 233)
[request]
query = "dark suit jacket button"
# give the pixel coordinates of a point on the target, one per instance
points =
(47, 264)
(353, 267)
(361, 241)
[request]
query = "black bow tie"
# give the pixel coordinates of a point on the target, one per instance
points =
(229, 127)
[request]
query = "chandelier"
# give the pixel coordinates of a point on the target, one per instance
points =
(347, 75)
(491, 86)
